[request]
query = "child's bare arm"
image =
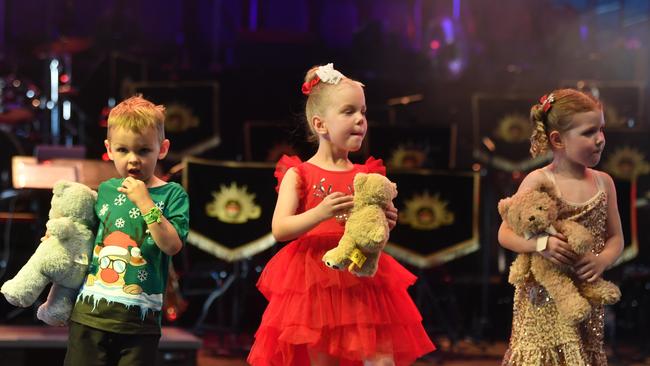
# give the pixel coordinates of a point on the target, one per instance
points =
(391, 215)
(507, 238)
(590, 267)
(165, 236)
(163, 233)
(286, 225)
(557, 249)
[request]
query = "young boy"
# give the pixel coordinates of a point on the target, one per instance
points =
(143, 221)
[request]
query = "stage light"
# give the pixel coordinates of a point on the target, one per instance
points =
(67, 110)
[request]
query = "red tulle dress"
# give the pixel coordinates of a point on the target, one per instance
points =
(310, 305)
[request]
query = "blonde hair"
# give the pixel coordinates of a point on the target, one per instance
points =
(558, 117)
(318, 99)
(137, 114)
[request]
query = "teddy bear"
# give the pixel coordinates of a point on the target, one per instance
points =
(366, 229)
(532, 212)
(61, 258)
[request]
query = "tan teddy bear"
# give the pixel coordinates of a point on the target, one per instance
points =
(532, 212)
(366, 230)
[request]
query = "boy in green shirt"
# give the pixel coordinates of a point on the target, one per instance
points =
(143, 221)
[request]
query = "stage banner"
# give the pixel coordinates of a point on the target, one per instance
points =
(267, 141)
(414, 147)
(623, 101)
(626, 159)
(438, 216)
(191, 114)
(231, 207)
(502, 129)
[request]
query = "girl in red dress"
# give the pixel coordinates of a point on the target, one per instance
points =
(317, 315)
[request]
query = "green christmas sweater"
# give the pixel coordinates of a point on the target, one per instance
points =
(123, 290)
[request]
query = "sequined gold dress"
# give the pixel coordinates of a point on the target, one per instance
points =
(539, 336)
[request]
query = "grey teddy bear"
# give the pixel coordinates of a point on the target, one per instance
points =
(62, 258)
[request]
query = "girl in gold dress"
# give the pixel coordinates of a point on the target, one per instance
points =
(570, 124)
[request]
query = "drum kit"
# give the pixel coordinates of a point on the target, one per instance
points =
(32, 114)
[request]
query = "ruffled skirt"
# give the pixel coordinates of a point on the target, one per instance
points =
(334, 312)
(541, 338)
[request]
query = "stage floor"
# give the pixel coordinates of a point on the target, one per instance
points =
(31, 345)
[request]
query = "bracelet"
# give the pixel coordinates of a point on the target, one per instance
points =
(154, 215)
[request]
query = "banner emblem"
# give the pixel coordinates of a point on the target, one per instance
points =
(233, 205)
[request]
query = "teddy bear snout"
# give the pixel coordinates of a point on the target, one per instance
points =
(532, 218)
(331, 265)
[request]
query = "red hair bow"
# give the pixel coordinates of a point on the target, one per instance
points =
(546, 102)
(308, 85)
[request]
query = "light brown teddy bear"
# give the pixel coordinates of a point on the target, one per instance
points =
(532, 212)
(366, 230)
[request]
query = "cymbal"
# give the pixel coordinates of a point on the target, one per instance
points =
(64, 45)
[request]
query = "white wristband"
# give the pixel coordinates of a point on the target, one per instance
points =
(542, 241)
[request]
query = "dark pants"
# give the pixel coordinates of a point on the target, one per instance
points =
(89, 346)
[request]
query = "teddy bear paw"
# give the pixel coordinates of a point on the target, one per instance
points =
(14, 295)
(52, 318)
(575, 310)
(612, 295)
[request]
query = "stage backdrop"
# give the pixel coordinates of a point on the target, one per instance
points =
(502, 131)
(625, 159)
(438, 216)
(191, 114)
(231, 207)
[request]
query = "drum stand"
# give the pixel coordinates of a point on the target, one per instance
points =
(60, 105)
(228, 323)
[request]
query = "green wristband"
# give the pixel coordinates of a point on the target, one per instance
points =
(154, 215)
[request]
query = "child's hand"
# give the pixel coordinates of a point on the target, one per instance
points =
(590, 267)
(558, 251)
(136, 191)
(391, 216)
(334, 204)
(46, 236)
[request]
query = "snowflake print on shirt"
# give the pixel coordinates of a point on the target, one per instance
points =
(103, 210)
(142, 275)
(134, 213)
(160, 205)
(119, 223)
(119, 200)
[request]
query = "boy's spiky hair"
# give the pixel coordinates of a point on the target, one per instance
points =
(137, 114)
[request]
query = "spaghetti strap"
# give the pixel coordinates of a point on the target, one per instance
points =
(599, 181)
(550, 176)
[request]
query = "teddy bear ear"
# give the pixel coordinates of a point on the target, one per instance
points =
(504, 204)
(60, 187)
(360, 179)
(547, 188)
